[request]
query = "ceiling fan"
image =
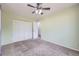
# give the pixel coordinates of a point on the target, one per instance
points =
(38, 8)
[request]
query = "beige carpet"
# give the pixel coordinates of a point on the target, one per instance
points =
(36, 48)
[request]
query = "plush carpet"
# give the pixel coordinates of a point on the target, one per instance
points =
(36, 48)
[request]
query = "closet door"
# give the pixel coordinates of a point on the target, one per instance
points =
(21, 30)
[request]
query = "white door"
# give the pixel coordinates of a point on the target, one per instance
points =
(21, 30)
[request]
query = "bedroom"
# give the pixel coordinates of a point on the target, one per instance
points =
(57, 29)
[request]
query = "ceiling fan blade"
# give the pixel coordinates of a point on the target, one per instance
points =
(30, 5)
(46, 8)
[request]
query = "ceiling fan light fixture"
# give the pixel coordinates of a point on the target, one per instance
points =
(38, 11)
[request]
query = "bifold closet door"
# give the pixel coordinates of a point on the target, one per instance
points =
(21, 30)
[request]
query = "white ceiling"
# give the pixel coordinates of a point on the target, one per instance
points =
(22, 10)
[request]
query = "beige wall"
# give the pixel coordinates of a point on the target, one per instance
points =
(6, 27)
(61, 28)
(16, 29)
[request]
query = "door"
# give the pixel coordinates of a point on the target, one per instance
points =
(21, 30)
